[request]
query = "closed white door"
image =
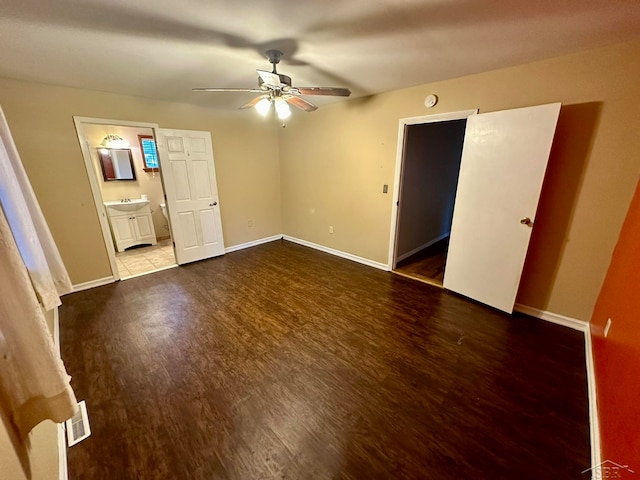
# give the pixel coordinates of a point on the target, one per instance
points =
(504, 160)
(189, 177)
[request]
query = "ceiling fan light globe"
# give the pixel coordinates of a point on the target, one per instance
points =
(282, 109)
(263, 106)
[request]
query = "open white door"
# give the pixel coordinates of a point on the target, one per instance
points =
(504, 159)
(189, 177)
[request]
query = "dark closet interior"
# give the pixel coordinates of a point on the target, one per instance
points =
(428, 182)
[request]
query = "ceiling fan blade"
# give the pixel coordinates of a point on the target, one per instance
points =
(269, 78)
(214, 89)
(333, 91)
(252, 103)
(300, 103)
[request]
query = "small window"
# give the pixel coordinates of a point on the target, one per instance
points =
(149, 153)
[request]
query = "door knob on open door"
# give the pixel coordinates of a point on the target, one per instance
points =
(213, 204)
(526, 221)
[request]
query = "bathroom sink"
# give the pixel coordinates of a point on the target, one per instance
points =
(130, 206)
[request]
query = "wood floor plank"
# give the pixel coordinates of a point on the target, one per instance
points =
(427, 264)
(283, 362)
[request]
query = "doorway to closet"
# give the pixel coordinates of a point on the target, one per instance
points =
(429, 179)
(502, 168)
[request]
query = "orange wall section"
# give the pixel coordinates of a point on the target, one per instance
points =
(617, 357)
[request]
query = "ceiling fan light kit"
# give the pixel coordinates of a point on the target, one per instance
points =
(275, 88)
(282, 108)
(263, 106)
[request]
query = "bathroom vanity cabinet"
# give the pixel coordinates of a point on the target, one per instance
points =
(131, 223)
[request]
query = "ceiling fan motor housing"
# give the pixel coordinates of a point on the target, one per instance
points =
(285, 80)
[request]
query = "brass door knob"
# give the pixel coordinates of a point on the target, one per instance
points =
(526, 221)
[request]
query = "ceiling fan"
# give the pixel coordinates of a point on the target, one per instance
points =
(275, 88)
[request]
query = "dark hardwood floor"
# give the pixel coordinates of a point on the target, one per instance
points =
(427, 264)
(283, 362)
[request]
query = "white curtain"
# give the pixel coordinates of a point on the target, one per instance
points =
(29, 228)
(34, 385)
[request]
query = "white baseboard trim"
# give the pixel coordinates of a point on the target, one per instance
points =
(574, 323)
(594, 424)
(252, 243)
(63, 473)
(422, 247)
(93, 283)
(338, 253)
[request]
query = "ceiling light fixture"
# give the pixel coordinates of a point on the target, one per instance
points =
(111, 140)
(282, 109)
(263, 106)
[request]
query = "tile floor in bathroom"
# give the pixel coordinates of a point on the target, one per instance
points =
(145, 259)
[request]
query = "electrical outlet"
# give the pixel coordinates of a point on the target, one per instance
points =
(331, 229)
(385, 188)
(607, 327)
(250, 223)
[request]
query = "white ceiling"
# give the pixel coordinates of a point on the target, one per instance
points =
(162, 48)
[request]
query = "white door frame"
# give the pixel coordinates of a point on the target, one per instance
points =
(94, 182)
(397, 182)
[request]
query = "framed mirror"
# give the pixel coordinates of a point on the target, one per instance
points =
(116, 164)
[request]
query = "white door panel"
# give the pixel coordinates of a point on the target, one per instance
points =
(504, 160)
(181, 180)
(208, 231)
(202, 175)
(192, 195)
(188, 227)
(197, 145)
(175, 144)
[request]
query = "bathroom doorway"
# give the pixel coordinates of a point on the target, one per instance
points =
(129, 194)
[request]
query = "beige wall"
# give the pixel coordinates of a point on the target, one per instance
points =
(38, 459)
(41, 121)
(334, 163)
(148, 183)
